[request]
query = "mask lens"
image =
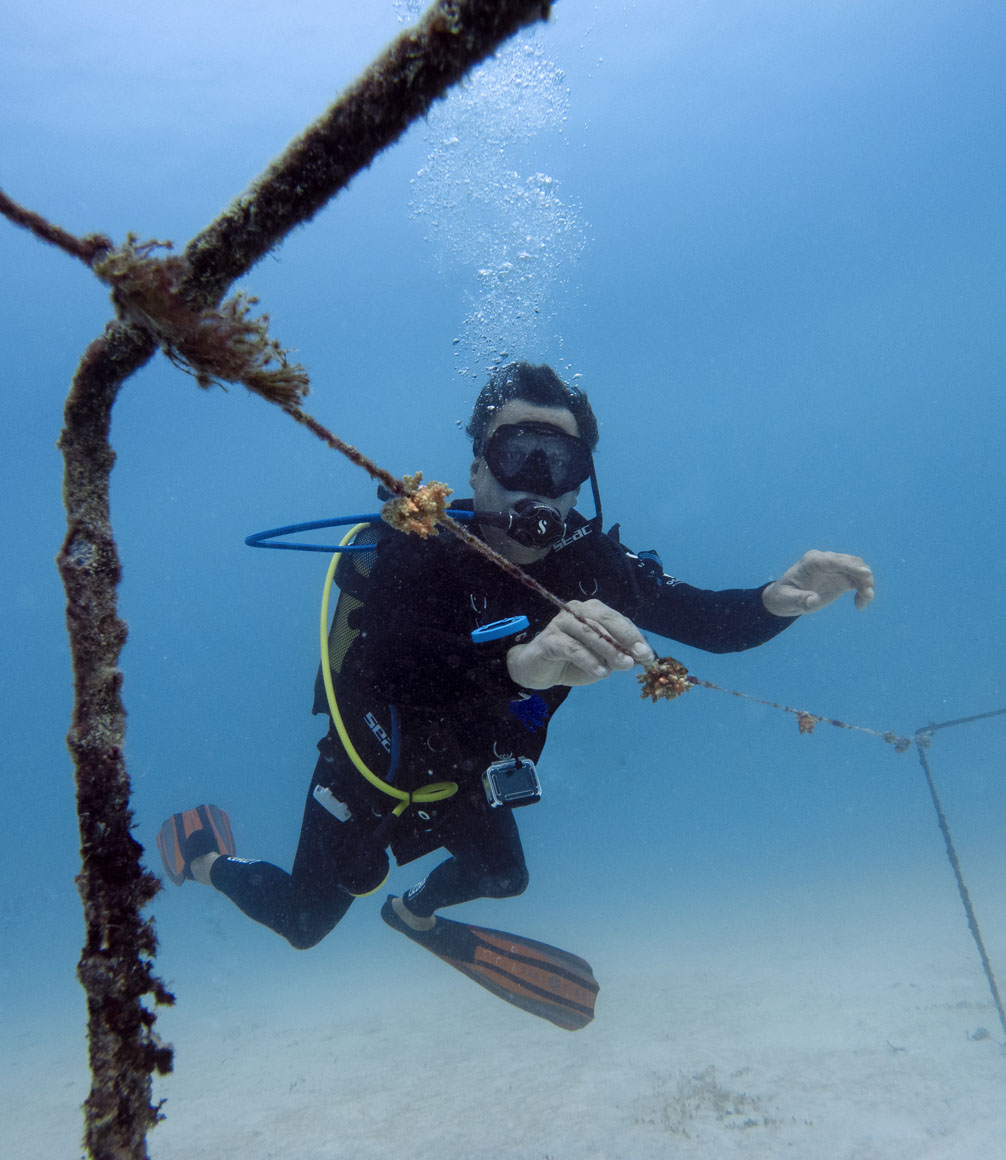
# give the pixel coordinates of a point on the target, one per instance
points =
(538, 458)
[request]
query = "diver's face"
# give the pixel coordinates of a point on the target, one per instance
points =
(491, 495)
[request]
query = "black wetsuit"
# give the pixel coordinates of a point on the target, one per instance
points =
(413, 674)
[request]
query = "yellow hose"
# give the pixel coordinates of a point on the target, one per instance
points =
(434, 792)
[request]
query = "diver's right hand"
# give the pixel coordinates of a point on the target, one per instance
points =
(567, 652)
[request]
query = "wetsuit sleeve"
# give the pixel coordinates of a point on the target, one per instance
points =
(416, 647)
(728, 620)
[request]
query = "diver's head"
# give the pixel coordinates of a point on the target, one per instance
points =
(532, 436)
(532, 384)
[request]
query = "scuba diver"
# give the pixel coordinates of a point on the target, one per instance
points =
(445, 672)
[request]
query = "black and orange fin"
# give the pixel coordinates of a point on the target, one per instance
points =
(544, 980)
(184, 836)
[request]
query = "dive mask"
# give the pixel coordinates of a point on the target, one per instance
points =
(538, 458)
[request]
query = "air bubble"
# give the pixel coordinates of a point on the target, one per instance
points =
(484, 207)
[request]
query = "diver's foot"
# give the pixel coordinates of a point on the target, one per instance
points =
(405, 916)
(190, 842)
(201, 865)
(416, 921)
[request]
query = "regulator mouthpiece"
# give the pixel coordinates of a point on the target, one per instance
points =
(531, 523)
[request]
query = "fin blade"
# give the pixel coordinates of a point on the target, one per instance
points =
(534, 976)
(170, 848)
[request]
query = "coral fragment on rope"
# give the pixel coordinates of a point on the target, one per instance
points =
(420, 508)
(806, 721)
(664, 680)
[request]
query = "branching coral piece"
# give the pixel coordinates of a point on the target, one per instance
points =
(664, 680)
(901, 744)
(420, 509)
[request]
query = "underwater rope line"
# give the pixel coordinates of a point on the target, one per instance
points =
(960, 721)
(922, 743)
(420, 509)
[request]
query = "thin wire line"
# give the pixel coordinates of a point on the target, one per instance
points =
(921, 744)
(961, 721)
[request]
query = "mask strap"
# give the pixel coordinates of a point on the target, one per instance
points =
(597, 518)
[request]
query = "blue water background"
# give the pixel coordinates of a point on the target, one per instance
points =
(788, 309)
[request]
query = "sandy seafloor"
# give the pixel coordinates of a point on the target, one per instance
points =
(855, 1027)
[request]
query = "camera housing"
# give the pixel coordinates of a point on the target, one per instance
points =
(512, 782)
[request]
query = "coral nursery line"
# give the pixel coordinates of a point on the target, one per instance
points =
(421, 509)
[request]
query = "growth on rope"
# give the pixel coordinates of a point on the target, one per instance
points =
(420, 508)
(664, 679)
(667, 678)
(216, 345)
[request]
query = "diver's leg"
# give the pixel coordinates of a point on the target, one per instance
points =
(270, 896)
(304, 905)
(487, 861)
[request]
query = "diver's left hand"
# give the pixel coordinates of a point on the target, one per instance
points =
(816, 580)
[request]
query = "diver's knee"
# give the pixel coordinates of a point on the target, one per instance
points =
(309, 927)
(304, 940)
(506, 885)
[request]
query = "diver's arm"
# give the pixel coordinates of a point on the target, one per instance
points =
(731, 620)
(718, 621)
